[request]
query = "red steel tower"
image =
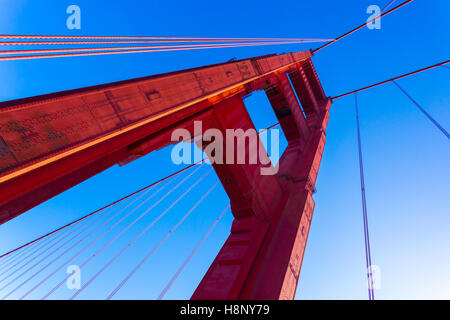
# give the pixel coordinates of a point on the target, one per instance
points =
(53, 142)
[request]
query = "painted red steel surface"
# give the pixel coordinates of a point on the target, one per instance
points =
(50, 143)
(262, 257)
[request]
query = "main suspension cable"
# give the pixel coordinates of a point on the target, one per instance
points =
(10, 36)
(361, 26)
(63, 55)
(162, 48)
(392, 79)
(204, 42)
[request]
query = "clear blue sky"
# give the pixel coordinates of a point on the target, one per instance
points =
(406, 157)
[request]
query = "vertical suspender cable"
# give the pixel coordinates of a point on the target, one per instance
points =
(25, 254)
(364, 209)
(138, 236)
(111, 217)
(141, 263)
(6, 260)
(21, 266)
(98, 237)
(199, 244)
(388, 5)
(120, 234)
(51, 253)
(423, 111)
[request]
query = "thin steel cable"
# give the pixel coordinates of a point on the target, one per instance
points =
(264, 130)
(423, 111)
(5, 260)
(100, 236)
(49, 255)
(191, 255)
(36, 253)
(388, 5)
(63, 55)
(9, 36)
(137, 237)
(61, 254)
(99, 210)
(361, 26)
(171, 231)
(121, 232)
(23, 254)
(115, 202)
(38, 51)
(364, 209)
(40, 43)
(392, 79)
(8, 259)
(39, 247)
(70, 248)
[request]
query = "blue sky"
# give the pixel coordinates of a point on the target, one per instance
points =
(406, 158)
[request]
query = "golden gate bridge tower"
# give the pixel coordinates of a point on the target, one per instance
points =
(51, 143)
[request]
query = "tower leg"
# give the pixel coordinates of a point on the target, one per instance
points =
(262, 257)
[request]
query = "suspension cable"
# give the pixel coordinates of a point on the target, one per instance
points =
(59, 256)
(204, 42)
(116, 202)
(388, 5)
(364, 209)
(8, 259)
(392, 79)
(108, 230)
(60, 238)
(120, 234)
(162, 48)
(423, 111)
(47, 256)
(362, 26)
(70, 248)
(105, 207)
(10, 36)
(171, 231)
(188, 259)
(95, 240)
(25, 254)
(138, 236)
(62, 55)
